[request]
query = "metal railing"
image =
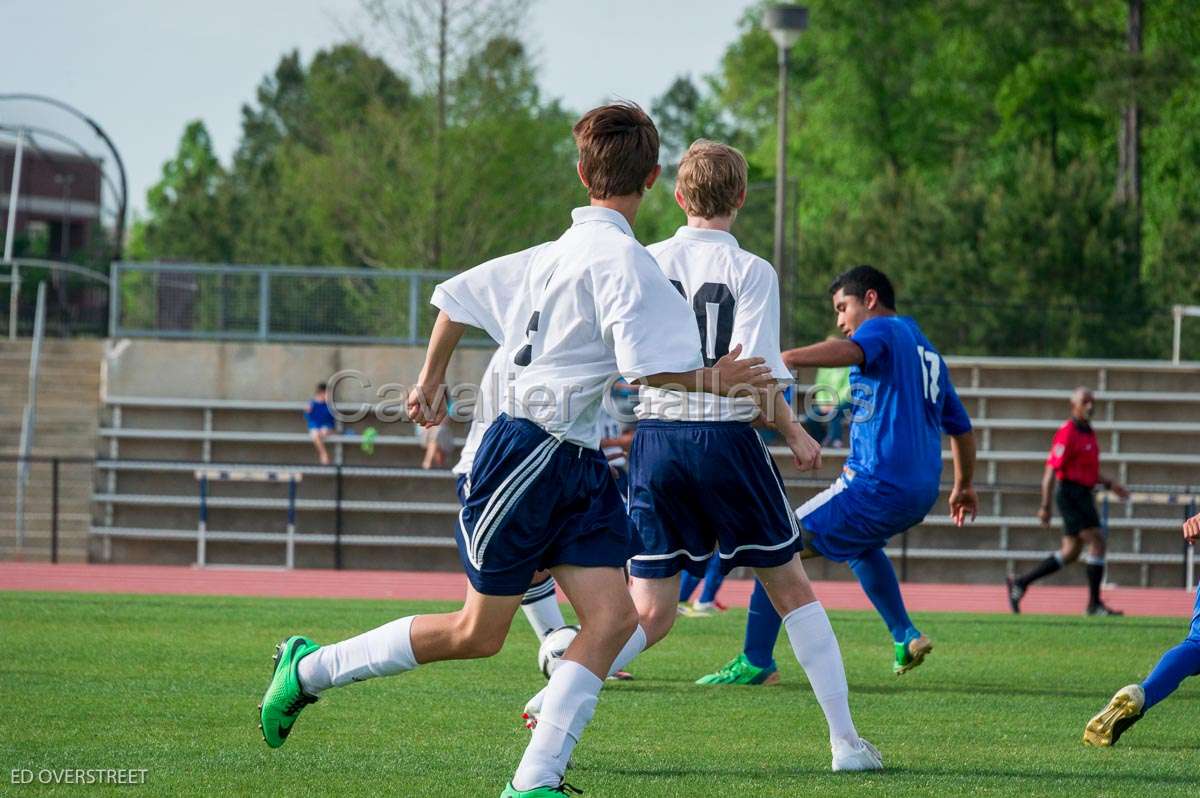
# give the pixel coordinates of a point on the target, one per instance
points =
(29, 416)
(273, 303)
(55, 516)
(73, 305)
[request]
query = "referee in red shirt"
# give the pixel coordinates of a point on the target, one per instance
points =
(1075, 462)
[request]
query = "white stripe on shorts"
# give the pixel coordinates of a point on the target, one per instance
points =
(510, 491)
(821, 499)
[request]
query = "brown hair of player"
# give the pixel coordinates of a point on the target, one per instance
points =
(618, 149)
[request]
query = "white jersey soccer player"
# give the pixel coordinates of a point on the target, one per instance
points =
(541, 495)
(730, 502)
(735, 297)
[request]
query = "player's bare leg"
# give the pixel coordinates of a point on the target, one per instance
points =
(477, 630)
(657, 602)
(303, 669)
(607, 619)
(634, 644)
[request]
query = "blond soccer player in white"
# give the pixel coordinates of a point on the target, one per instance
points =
(700, 477)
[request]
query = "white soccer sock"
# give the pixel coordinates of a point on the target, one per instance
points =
(571, 700)
(635, 645)
(542, 609)
(379, 652)
(816, 649)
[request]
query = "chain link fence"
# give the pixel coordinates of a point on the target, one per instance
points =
(326, 304)
(274, 303)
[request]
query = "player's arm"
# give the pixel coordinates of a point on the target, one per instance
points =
(805, 451)
(1191, 529)
(730, 376)
(825, 353)
(1114, 485)
(425, 404)
(964, 504)
(1048, 480)
(963, 501)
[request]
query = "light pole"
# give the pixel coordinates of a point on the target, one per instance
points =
(785, 22)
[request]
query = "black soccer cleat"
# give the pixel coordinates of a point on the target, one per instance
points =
(1015, 594)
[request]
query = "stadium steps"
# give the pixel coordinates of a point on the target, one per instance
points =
(68, 407)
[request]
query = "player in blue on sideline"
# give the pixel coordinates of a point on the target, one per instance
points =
(1131, 703)
(903, 401)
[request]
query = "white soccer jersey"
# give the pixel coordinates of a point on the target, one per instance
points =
(590, 305)
(735, 298)
(485, 411)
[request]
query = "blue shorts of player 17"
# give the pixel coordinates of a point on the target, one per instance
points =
(534, 502)
(696, 487)
(855, 515)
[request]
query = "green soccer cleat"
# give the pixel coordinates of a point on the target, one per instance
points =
(284, 699)
(740, 671)
(911, 654)
(540, 792)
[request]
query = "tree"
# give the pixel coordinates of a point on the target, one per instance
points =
(187, 208)
(437, 38)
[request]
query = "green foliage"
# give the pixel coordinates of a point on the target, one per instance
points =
(969, 147)
(337, 166)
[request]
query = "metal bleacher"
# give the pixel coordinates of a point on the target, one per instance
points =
(393, 514)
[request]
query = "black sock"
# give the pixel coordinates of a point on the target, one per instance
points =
(1044, 568)
(1095, 575)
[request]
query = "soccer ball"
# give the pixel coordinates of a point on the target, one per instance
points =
(554, 646)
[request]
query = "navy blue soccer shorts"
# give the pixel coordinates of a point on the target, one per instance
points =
(534, 502)
(699, 487)
(854, 515)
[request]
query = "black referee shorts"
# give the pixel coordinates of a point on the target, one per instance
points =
(1077, 507)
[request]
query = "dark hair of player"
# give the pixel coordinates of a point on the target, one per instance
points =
(861, 279)
(322, 386)
(618, 149)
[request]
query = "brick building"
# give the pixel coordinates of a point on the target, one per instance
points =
(58, 201)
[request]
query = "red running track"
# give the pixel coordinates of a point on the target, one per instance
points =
(413, 585)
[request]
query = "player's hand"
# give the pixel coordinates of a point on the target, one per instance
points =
(426, 404)
(963, 503)
(806, 452)
(1043, 515)
(1191, 529)
(1121, 491)
(734, 376)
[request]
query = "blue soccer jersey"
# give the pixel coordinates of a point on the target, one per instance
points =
(904, 401)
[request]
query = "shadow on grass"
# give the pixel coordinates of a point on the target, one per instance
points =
(774, 774)
(1057, 621)
(659, 686)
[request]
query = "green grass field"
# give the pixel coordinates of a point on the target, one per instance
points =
(170, 684)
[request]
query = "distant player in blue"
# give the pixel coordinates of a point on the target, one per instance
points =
(1130, 703)
(903, 401)
(320, 421)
